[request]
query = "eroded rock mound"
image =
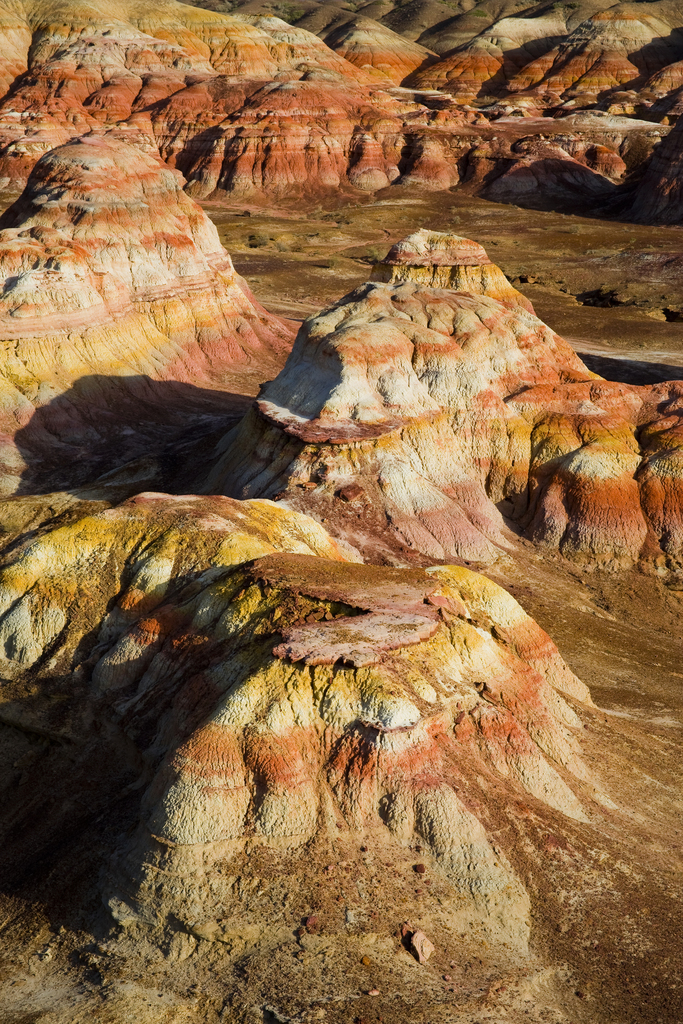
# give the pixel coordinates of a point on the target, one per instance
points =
(277, 698)
(436, 413)
(114, 280)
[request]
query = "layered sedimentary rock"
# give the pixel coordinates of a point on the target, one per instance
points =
(120, 315)
(252, 106)
(438, 260)
(553, 57)
(276, 697)
(369, 45)
(542, 170)
(483, 66)
(579, 158)
(609, 50)
(500, 23)
(437, 419)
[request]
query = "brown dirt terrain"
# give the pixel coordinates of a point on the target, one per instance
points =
(612, 289)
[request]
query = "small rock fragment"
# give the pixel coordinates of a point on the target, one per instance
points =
(419, 868)
(421, 946)
(373, 992)
(352, 492)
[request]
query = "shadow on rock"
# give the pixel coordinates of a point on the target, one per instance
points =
(104, 423)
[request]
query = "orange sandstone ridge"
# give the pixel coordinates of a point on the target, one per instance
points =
(450, 421)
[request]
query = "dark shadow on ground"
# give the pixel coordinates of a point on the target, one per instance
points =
(631, 371)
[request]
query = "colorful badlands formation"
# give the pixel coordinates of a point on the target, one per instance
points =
(246, 105)
(624, 57)
(267, 735)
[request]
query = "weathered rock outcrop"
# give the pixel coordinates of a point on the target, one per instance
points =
(659, 196)
(114, 281)
(437, 413)
(273, 698)
(619, 57)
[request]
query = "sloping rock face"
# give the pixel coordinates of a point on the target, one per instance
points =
(113, 279)
(469, 26)
(439, 412)
(250, 106)
(659, 197)
(623, 57)
(271, 698)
